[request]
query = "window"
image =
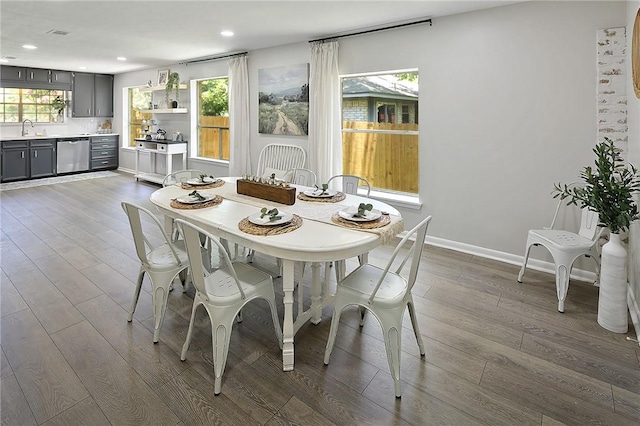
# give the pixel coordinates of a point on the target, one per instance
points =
(37, 105)
(139, 101)
(377, 143)
(213, 118)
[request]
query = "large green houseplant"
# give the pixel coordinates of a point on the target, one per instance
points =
(609, 190)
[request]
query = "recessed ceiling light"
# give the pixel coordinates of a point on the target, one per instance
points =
(29, 46)
(226, 33)
(82, 68)
(121, 58)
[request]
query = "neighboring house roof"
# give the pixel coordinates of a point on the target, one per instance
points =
(379, 86)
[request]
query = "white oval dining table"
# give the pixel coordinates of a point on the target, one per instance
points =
(317, 240)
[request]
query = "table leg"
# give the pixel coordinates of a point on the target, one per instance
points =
(316, 290)
(287, 326)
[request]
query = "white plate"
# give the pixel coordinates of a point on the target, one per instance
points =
(256, 220)
(207, 180)
(190, 199)
(317, 193)
(369, 215)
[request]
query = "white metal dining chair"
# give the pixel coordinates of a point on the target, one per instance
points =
(223, 288)
(181, 176)
(351, 183)
(386, 294)
(278, 158)
(565, 247)
(304, 177)
(161, 261)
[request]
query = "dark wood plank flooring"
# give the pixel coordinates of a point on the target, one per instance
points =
(497, 352)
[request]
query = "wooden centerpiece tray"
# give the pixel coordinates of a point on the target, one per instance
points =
(276, 193)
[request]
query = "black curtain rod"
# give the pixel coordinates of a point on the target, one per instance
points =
(424, 21)
(214, 58)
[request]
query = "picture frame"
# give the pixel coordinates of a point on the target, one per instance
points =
(283, 100)
(163, 76)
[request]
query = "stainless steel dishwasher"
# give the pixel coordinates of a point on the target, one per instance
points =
(73, 155)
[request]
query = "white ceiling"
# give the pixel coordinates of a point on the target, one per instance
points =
(151, 34)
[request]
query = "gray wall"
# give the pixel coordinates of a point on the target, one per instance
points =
(507, 109)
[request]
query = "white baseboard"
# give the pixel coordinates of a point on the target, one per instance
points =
(130, 171)
(632, 302)
(538, 265)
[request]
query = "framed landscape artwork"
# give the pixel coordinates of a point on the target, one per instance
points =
(283, 100)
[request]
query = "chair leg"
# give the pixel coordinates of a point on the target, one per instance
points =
(414, 324)
(362, 312)
(159, 296)
(187, 341)
(333, 331)
(524, 263)
(392, 341)
(562, 284)
(221, 336)
(136, 295)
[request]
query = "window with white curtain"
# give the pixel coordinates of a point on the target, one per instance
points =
(213, 118)
(380, 129)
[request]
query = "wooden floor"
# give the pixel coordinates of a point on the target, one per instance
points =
(497, 352)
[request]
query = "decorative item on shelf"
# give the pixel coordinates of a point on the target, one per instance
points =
(609, 191)
(163, 76)
(173, 83)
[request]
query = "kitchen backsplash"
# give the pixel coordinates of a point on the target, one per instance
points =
(71, 126)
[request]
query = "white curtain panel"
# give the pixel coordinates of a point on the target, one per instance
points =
(239, 130)
(325, 153)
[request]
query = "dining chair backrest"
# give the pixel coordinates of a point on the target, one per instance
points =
(304, 177)
(144, 231)
(181, 176)
(196, 253)
(414, 253)
(589, 220)
(279, 158)
(351, 183)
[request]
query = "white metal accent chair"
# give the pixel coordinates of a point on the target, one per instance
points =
(280, 158)
(162, 261)
(304, 177)
(386, 294)
(223, 288)
(565, 247)
(181, 176)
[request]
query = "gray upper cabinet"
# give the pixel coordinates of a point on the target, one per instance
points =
(12, 74)
(34, 78)
(92, 95)
(103, 96)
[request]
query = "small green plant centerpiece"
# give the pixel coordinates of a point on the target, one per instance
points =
(363, 209)
(173, 83)
(203, 178)
(609, 189)
(273, 214)
(322, 188)
(197, 195)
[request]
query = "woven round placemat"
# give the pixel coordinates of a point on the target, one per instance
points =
(264, 230)
(215, 184)
(335, 199)
(384, 220)
(184, 206)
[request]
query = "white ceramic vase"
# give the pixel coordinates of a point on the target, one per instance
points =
(612, 301)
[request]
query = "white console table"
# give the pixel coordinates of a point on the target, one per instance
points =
(154, 147)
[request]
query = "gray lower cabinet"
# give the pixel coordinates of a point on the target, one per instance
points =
(42, 158)
(15, 160)
(104, 152)
(28, 159)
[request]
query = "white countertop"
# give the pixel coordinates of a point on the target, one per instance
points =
(32, 137)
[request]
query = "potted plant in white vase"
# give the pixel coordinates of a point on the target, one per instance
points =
(608, 190)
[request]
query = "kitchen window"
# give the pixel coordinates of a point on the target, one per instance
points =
(213, 118)
(380, 130)
(37, 105)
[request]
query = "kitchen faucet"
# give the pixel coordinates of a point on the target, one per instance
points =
(26, 132)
